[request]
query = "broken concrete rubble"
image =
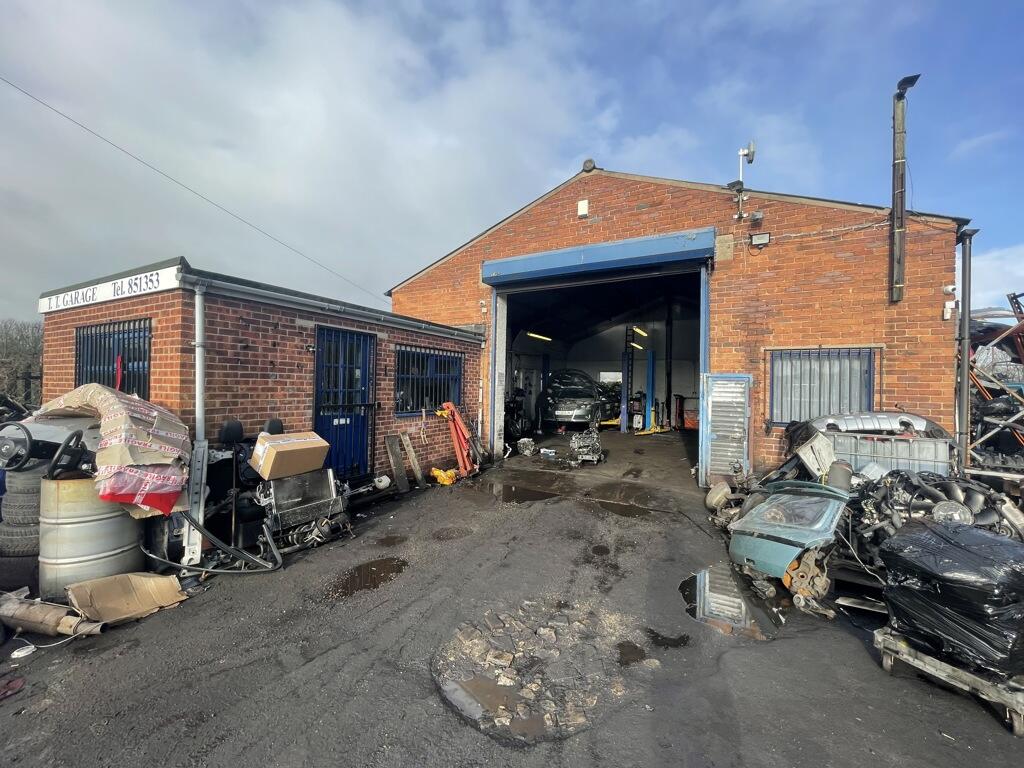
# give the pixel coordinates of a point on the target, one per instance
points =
(563, 675)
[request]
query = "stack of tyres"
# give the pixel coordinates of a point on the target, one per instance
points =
(19, 530)
(957, 592)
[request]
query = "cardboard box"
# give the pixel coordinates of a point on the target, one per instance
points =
(291, 454)
(124, 597)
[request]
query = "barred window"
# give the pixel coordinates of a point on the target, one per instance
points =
(115, 355)
(808, 383)
(426, 378)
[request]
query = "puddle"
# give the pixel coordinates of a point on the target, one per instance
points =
(718, 596)
(630, 653)
(666, 641)
(633, 472)
(517, 494)
(624, 510)
(600, 550)
(391, 540)
(368, 575)
(639, 451)
(451, 534)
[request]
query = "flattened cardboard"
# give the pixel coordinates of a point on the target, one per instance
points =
(125, 597)
(290, 454)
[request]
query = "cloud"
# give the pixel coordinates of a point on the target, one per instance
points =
(994, 274)
(374, 143)
(969, 146)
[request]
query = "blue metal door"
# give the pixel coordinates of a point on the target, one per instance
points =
(344, 404)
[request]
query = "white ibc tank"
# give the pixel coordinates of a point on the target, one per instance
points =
(82, 537)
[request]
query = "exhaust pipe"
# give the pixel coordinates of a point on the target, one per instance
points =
(897, 249)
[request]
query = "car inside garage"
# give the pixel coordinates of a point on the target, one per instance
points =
(618, 352)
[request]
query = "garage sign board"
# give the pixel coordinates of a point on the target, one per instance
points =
(118, 288)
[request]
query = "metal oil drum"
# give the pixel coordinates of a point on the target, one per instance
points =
(82, 537)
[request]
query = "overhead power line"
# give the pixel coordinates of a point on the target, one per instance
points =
(187, 188)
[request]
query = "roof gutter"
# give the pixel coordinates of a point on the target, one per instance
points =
(232, 290)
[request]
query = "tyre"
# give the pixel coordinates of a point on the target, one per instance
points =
(18, 572)
(21, 502)
(18, 540)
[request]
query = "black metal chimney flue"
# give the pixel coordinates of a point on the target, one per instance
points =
(897, 250)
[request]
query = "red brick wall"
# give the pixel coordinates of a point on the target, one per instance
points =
(170, 380)
(257, 365)
(823, 280)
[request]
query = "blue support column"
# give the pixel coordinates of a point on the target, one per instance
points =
(624, 403)
(649, 402)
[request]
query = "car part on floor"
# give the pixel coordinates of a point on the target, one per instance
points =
(586, 446)
(789, 536)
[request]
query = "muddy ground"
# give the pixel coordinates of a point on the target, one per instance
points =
(304, 668)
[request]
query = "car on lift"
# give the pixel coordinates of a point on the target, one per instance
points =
(572, 396)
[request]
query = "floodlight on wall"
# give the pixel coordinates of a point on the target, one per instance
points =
(537, 336)
(634, 344)
(639, 330)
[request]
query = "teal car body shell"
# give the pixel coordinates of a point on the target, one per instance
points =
(796, 516)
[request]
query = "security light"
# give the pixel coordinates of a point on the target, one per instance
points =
(639, 330)
(905, 85)
(634, 344)
(735, 186)
(537, 336)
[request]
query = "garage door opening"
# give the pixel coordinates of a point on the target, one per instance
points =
(624, 352)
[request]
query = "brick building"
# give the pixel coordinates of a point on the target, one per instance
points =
(352, 373)
(752, 312)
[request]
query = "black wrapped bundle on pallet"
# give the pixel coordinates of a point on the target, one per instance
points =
(957, 592)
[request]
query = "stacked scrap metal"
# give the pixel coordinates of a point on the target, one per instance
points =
(996, 440)
(957, 592)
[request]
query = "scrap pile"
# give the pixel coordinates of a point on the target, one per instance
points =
(997, 393)
(948, 551)
(884, 492)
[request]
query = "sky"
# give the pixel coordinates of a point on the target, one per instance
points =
(376, 137)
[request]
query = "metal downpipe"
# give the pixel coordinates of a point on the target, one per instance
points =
(963, 409)
(200, 344)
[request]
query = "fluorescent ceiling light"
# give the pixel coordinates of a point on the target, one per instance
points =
(634, 344)
(641, 331)
(533, 335)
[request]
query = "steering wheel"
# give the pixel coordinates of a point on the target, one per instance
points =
(10, 448)
(73, 442)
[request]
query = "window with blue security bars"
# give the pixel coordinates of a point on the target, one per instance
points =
(808, 383)
(115, 355)
(426, 378)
